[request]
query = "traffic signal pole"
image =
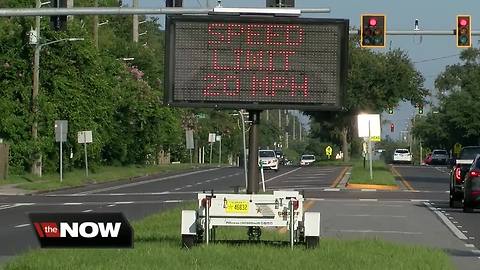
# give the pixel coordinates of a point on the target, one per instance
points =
(37, 161)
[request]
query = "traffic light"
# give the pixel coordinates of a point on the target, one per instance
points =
(281, 3)
(420, 109)
(373, 30)
(390, 110)
(392, 127)
(464, 33)
(173, 3)
(59, 22)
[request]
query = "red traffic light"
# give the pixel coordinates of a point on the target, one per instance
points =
(373, 30)
(463, 22)
(463, 31)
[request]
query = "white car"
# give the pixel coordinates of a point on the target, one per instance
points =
(402, 156)
(307, 160)
(268, 159)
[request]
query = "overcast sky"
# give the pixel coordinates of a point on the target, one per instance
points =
(432, 15)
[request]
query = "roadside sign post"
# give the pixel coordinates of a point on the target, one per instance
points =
(262, 174)
(211, 140)
(368, 127)
(61, 130)
(328, 151)
(219, 140)
(85, 137)
(189, 142)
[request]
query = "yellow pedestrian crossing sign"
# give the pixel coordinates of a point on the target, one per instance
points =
(328, 151)
(375, 138)
(457, 148)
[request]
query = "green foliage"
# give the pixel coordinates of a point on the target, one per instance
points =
(457, 117)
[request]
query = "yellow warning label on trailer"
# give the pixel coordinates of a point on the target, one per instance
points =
(240, 207)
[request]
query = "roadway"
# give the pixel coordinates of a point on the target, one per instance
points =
(418, 213)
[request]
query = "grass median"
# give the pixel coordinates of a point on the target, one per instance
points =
(77, 177)
(157, 246)
(381, 174)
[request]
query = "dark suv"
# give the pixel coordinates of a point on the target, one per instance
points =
(457, 175)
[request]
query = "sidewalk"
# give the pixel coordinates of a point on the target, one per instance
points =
(11, 189)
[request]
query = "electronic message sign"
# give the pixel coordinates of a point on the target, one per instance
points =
(256, 62)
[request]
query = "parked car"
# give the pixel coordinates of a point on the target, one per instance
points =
(440, 157)
(268, 159)
(457, 175)
(428, 159)
(471, 187)
(307, 160)
(402, 156)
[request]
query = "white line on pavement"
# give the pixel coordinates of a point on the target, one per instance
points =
(72, 203)
(416, 200)
(283, 174)
(471, 238)
(123, 202)
(331, 189)
(146, 181)
(88, 210)
(188, 186)
(316, 199)
(447, 222)
(360, 215)
(373, 231)
(111, 205)
(470, 245)
(173, 201)
(465, 231)
(22, 225)
(368, 200)
(367, 189)
(178, 188)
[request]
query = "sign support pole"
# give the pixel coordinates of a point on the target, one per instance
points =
(85, 149)
(370, 150)
(211, 151)
(252, 187)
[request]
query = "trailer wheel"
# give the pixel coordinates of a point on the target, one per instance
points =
(312, 241)
(188, 241)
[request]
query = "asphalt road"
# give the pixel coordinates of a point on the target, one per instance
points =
(137, 199)
(417, 213)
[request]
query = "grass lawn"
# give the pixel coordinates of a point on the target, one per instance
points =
(102, 174)
(381, 174)
(157, 246)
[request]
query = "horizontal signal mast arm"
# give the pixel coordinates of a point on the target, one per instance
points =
(418, 32)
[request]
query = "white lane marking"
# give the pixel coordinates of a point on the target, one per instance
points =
(331, 189)
(470, 245)
(300, 181)
(471, 238)
(465, 231)
(360, 215)
(373, 231)
(199, 183)
(283, 174)
(24, 204)
(368, 200)
(173, 201)
(72, 203)
(22, 225)
(304, 177)
(370, 205)
(367, 189)
(88, 210)
(447, 222)
(188, 186)
(178, 188)
(459, 226)
(8, 206)
(416, 200)
(316, 199)
(454, 222)
(146, 181)
(123, 202)
(111, 205)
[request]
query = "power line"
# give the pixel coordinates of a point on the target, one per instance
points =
(437, 58)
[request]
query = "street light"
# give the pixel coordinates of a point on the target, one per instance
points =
(37, 165)
(240, 112)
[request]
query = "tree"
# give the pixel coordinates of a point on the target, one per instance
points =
(375, 82)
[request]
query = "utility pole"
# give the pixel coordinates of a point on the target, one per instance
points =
(299, 131)
(37, 162)
(268, 115)
(293, 121)
(135, 22)
(95, 27)
(279, 119)
(286, 139)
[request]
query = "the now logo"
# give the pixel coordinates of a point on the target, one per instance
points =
(82, 229)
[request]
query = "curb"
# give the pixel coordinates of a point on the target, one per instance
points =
(365, 186)
(346, 174)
